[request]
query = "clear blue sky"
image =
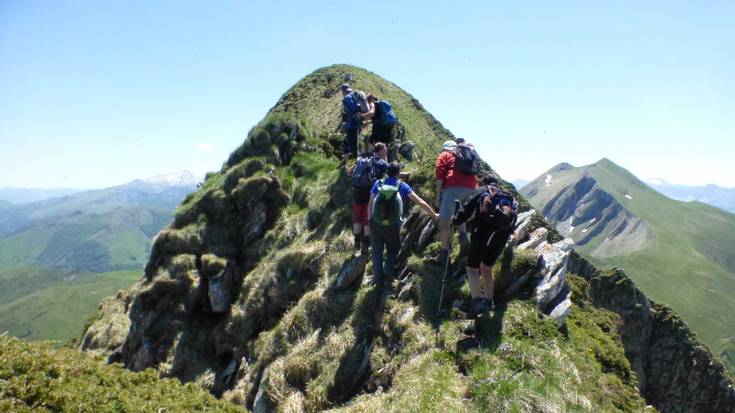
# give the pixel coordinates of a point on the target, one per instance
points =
(95, 94)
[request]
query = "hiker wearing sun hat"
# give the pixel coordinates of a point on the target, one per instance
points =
(451, 184)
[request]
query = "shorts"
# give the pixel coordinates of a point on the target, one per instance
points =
(486, 248)
(360, 214)
(446, 209)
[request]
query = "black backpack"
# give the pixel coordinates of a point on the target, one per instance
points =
(364, 174)
(492, 211)
(467, 159)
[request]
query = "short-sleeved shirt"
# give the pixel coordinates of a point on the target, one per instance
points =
(446, 171)
(403, 188)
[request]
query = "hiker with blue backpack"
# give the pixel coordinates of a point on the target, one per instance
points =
(385, 214)
(384, 120)
(368, 168)
(354, 104)
(494, 215)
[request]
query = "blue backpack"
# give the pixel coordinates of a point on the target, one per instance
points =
(364, 173)
(387, 116)
(352, 111)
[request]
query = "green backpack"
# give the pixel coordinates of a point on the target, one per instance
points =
(387, 206)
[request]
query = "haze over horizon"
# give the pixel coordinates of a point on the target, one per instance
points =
(96, 95)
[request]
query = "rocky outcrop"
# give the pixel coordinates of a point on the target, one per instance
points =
(676, 373)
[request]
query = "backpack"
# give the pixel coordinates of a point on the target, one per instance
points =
(387, 206)
(387, 116)
(361, 100)
(364, 173)
(352, 110)
(467, 159)
(494, 212)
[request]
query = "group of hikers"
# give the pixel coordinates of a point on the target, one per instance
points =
(380, 193)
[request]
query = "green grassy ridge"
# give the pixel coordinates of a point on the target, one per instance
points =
(119, 239)
(55, 305)
(36, 377)
(689, 264)
(311, 338)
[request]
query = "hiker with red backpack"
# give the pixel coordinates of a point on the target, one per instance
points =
(385, 214)
(354, 103)
(381, 114)
(369, 168)
(494, 214)
(456, 172)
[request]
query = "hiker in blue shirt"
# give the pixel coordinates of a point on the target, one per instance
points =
(385, 214)
(353, 105)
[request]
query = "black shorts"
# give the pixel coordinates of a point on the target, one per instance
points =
(486, 248)
(382, 133)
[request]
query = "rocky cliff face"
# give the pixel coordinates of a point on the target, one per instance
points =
(253, 293)
(676, 373)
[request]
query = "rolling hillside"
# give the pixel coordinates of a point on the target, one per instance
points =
(680, 253)
(59, 256)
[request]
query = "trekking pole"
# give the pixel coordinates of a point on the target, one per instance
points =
(446, 270)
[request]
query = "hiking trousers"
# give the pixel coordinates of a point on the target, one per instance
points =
(389, 238)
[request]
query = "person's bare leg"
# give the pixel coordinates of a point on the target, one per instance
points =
(473, 280)
(488, 281)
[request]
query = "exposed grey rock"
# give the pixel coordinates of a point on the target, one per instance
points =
(523, 225)
(406, 292)
(554, 258)
(262, 404)
(220, 291)
(350, 272)
(535, 239)
(425, 236)
(562, 310)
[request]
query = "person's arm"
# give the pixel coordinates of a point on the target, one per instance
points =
(369, 114)
(421, 203)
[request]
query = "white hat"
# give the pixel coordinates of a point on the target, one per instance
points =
(449, 145)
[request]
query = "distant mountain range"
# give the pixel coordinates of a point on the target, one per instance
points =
(76, 247)
(26, 195)
(709, 194)
(681, 253)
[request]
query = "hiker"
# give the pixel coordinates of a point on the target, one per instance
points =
(456, 170)
(383, 118)
(354, 103)
(385, 214)
(366, 171)
(494, 215)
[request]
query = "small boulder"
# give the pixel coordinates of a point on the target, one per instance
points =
(535, 239)
(350, 272)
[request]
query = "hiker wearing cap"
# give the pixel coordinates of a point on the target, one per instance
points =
(494, 214)
(366, 171)
(385, 214)
(451, 183)
(383, 118)
(354, 103)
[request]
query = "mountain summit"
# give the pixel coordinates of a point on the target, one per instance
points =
(616, 219)
(253, 294)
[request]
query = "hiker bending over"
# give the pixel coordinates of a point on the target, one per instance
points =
(385, 214)
(354, 103)
(381, 114)
(455, 172)
(494, 216)
(366, 171)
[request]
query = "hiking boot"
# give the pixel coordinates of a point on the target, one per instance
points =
(480, 306)
(365, 250)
